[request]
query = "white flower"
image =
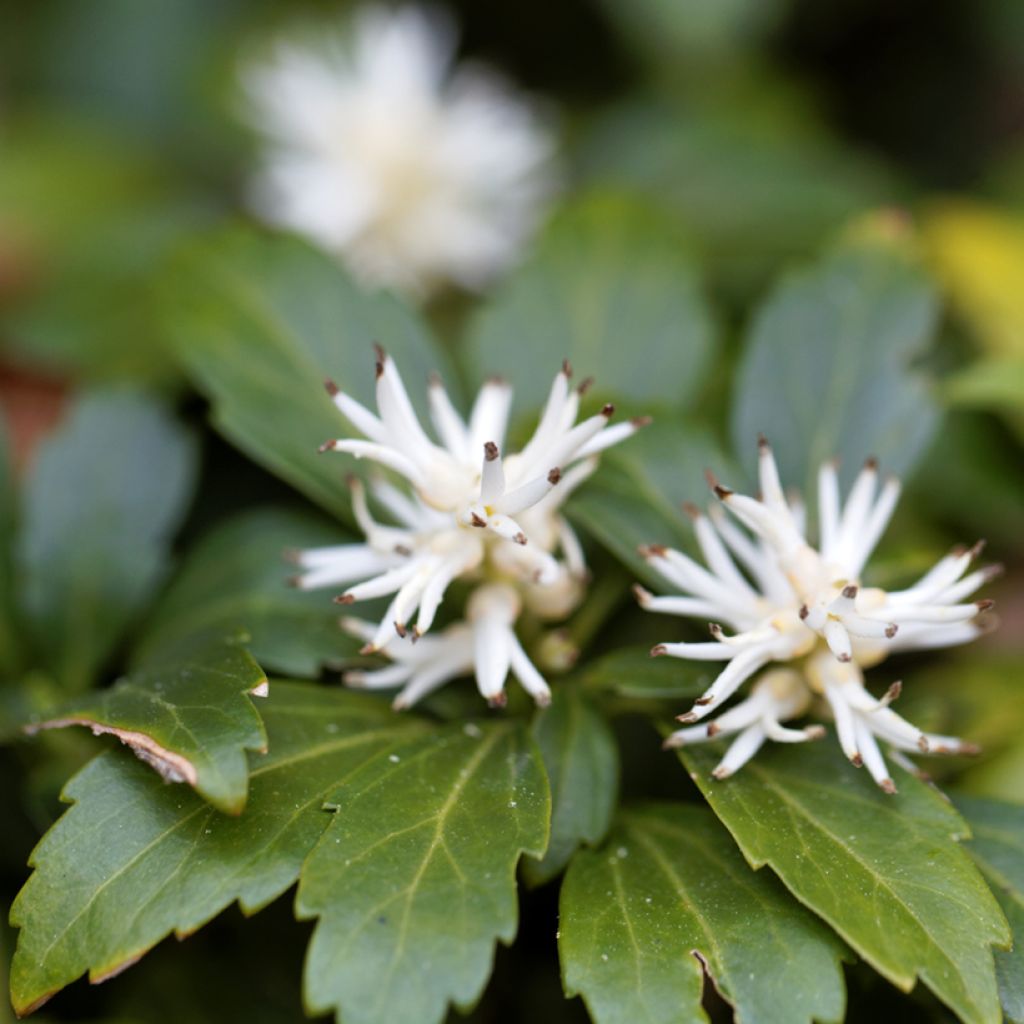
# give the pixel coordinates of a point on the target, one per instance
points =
(464, 511)
(377, 149)
(485, 645)
(786, 601)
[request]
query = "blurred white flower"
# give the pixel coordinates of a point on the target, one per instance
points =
(465, 511)
(786, 601)
(416, 172)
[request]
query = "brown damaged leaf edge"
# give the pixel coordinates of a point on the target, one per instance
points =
(172, 767)
(95, 978)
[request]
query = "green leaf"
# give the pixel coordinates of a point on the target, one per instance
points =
(883, 870)
(101, 505)
(236, 578)
(827, 367)
(10, 642)
(260, 322)
(613, 289)
(632, 672)
(191, 719)
(995, 383)
(997, 846)
(636, 497)
(582, 762)
(133, 859)
(668, 896)
(415, 878)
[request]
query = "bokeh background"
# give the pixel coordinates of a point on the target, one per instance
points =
(763, 127)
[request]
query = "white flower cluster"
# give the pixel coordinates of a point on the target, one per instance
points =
(465, 511)
(415, 173)
(783, 600)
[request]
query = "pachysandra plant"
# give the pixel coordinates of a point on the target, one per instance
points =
(415, 172)
(788, 602)
(466, 511)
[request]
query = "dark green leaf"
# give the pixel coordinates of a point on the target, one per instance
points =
(997, 846)
(260, 323)
(191, 719)
(884, 871)
(102, 502)
(612, 289)
(415, 878)
(134, 860)
(237, 578)
(668, 895)
(636, 497)
(756, 183)
(827, 370)
(632, 672)
(582, 762)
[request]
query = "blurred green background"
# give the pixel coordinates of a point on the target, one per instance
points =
(763, 128)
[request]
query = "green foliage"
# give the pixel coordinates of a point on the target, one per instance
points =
(884, 871)
(632, 672)
(612, 289)
(191, 718)
(997, 846)
(9, 639)
(261, 322)
(415, 877)
(827, 368)
(133, 859)
(101, 504)
(636, 499)
(582, 763)
(235, 578)
(669, 896)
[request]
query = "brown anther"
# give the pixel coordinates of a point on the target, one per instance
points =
(850, 591)
(608, 411)
(401, 549)
(490, 451)
(978, 548)
(327, 446)
(720, 773)
(804, 611)
(642, 596)
(499, 700)
(567, 368)
(639, 422)
(722, 492)
(815, 732)
(871, 463)
(958, 550)
(416, 633)
(893, 692)
(291, 555)
(496, 380)
(331, 387)
(369, 648)
(520, 537)
(922, 744)
(658, 650)
(845, 658)
(857, 761)
(713, 729)
(762, 443)
(477, 521)
(887, 786)
(716, 631)
(400, 629)
(687, 716)
(691, 510)
(969, 749)
(554, 476)
(434, 379)
(891, 630)
(585, 385)
(703, 701)
(344, 599)
(984, 605)
(542, 700)
(294, 581)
